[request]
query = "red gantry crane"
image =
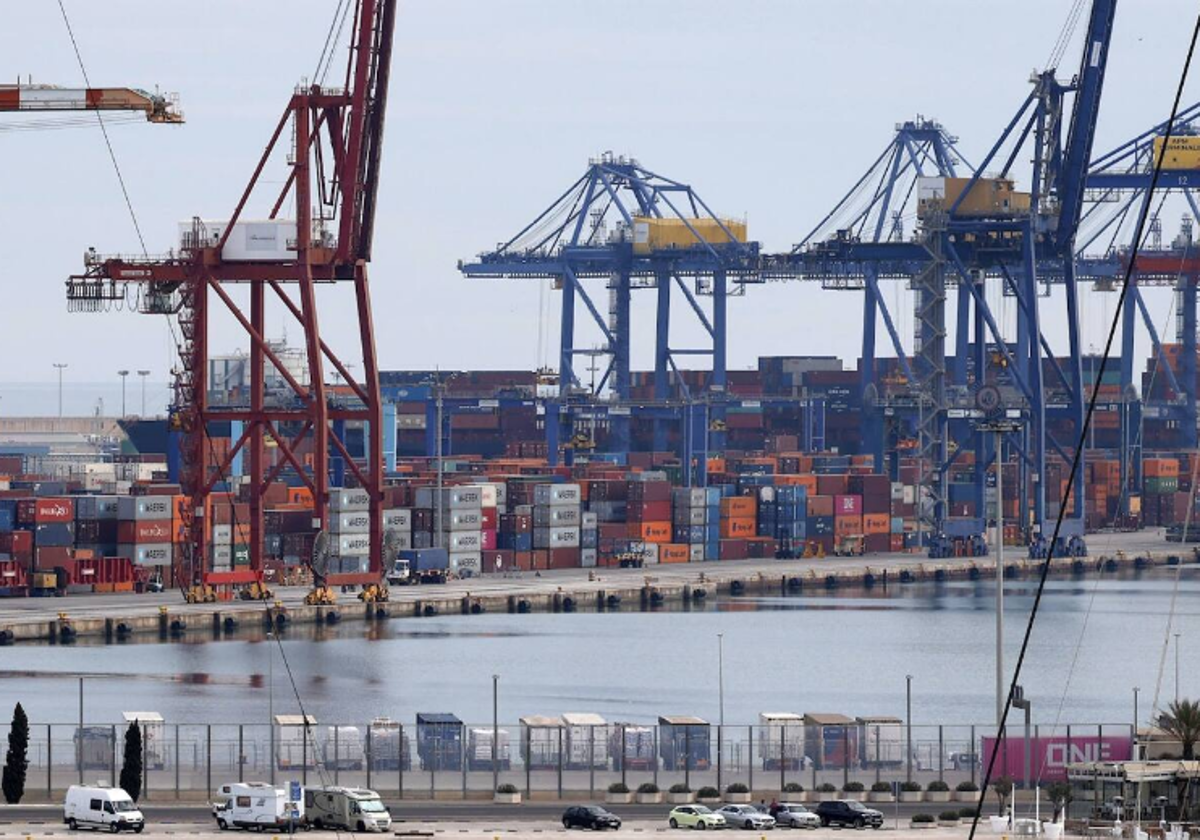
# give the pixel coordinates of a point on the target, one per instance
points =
(333, 152)
(51, 98)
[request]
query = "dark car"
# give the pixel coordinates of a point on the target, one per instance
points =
(849, 812)
(590, 816)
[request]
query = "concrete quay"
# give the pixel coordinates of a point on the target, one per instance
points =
(117, 616)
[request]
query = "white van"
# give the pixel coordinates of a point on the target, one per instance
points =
(352, 809)
(110, 809)
(258, 805)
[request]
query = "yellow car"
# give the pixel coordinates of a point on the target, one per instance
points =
(695, 816)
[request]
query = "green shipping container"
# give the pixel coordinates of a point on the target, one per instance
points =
(241, 555)
(1159, 486)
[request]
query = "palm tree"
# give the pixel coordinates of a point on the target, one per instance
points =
(1182, 721)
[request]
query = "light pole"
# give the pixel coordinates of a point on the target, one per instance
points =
(79, 737)
(1135, 722)
(1177, 635)
(271, 698)
(143, 374)
(1019, 702)
(495, 732)
(721, 680)
(124, 374)
(61, 366)
(908, 721)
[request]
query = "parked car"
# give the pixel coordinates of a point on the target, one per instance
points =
(101, 808)
(849, 812)
(746, 816)
(795, 815)
(590, 816)
(695, 816)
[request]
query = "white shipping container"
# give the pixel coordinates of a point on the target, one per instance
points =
(587, 740)
(352, 545)
(149, 554)
(462, 520)
(882, 740)
(463, 497)
(587, 557)
(689, 497)
(154, 737)
(648, 550)
(219, 555)
(696, 553)
(589, 519)
(292, 748)
(222, 534)
(555, 537)
(97, 507)
(690, 516)
(479, 746)
(466, 562)
(557, 494)
(410, 421)
(397, 519)
(539, 741)
(342, 500)
(459, 541)
(501, 493)
(145, 507)
(487, 495)
(404, 540)
(557, 516)
(354, 522)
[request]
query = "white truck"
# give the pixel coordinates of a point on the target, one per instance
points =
(882, 741)
(587, 740)
(344, 748)
(259, 806)
(781, 740)
(101, 808)
(154, 737)
(350, 809)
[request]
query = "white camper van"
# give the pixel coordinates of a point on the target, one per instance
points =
(259, 805)
(352, 809)
(101, 808)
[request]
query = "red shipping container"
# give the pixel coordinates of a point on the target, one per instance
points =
(820, 505)
(17, 543)
(563, 558)
(658, 511)
(733, 550)
(145, 531)
(649, 491)
(47, 558)
(878, 543)
(487, 539)
(831, 485)
(496, 561)
(847, 505)
(42, 511)
(489, 519)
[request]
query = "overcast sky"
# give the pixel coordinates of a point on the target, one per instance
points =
(770, 108)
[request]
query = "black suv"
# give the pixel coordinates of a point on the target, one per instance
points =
(590, 816)
(849, 812)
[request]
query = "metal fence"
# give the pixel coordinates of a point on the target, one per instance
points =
(455, 760)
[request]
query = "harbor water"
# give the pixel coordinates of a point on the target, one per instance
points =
(847, 651)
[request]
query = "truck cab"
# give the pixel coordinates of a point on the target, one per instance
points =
(351, 809)
(399, 574)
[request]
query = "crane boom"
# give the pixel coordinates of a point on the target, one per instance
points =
(42, 98)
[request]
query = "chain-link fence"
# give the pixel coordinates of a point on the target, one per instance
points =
(547, 758)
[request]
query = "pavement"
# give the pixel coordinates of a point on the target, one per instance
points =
(578, 582)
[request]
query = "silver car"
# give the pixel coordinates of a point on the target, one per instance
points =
(795, 815)
(746, 816)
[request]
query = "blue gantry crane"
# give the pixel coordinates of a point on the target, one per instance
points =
(632, 229)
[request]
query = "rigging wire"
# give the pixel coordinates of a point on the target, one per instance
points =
(107, 141)
(1087, 420)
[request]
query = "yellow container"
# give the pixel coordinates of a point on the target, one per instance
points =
(1181, 152)
(652, 234)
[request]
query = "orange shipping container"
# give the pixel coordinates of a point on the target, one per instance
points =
(737, 507)
(1160, 468)
(876, 523)
(848, 525)
(672, 553)
(737, 527)
(655, 532)
(300, 496)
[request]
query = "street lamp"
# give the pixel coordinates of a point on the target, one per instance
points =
(1019, 702)
(1135, 722)
(721, 679)
(271, 698)
(495, 731)
(1177, 635)
(908, 721)
(124, 374)
(61, 366)
(143, 374)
